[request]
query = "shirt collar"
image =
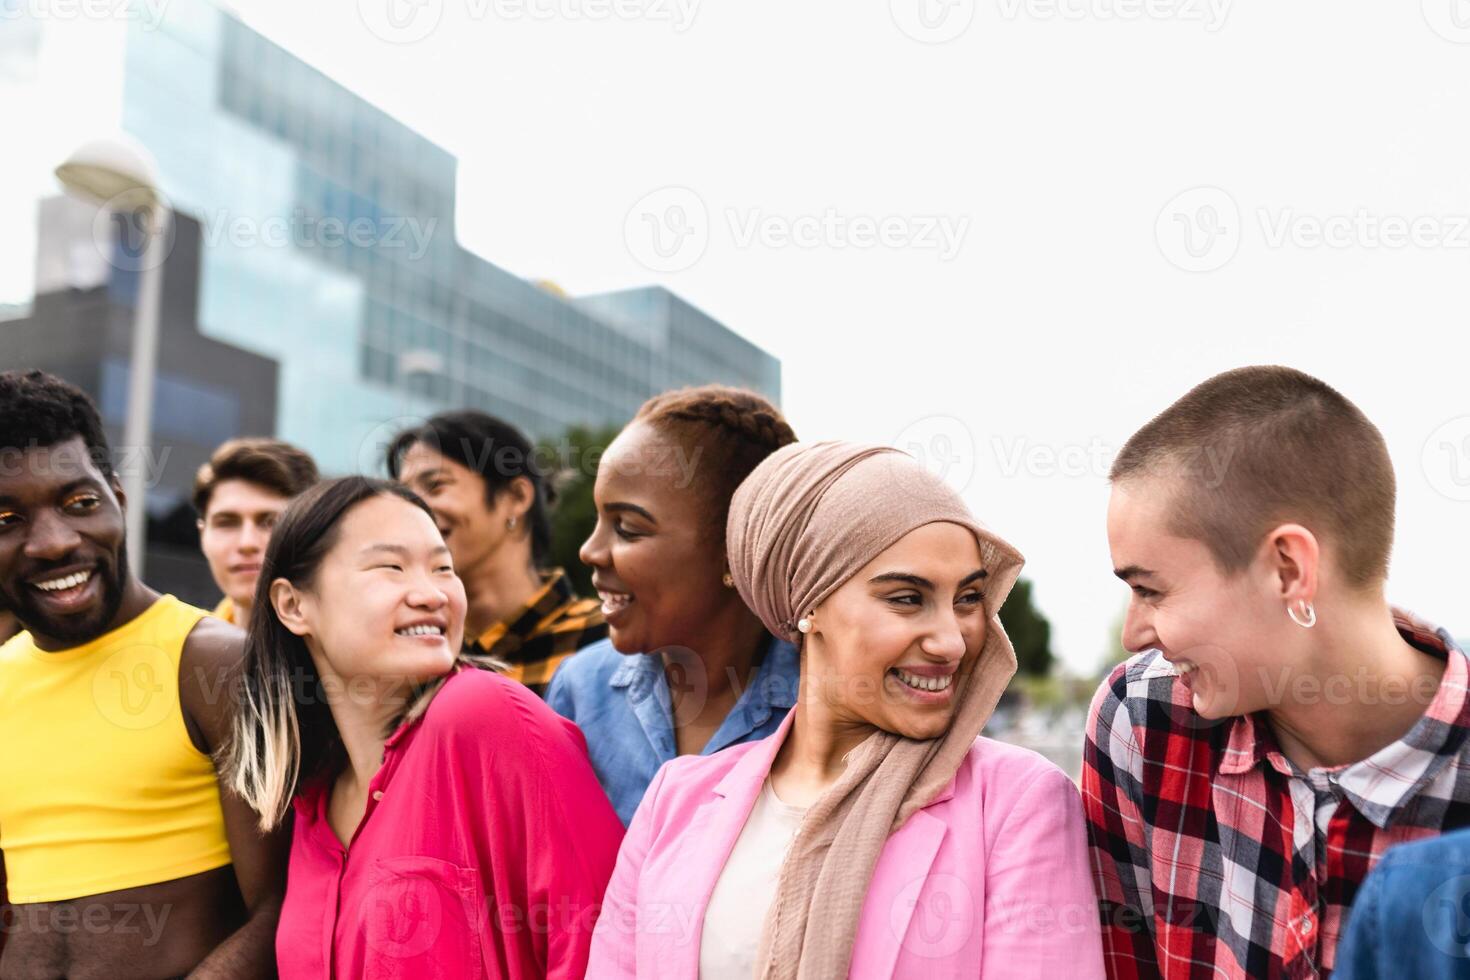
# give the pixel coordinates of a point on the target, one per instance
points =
(774, 685)
(512, 631)
(773, 688)
(1391, 778)
(633, 666)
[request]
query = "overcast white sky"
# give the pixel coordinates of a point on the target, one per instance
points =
(979, 247)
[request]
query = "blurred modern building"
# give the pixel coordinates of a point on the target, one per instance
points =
(205, 391)
(325, 242)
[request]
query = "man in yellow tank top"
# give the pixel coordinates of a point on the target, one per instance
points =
(122, 853)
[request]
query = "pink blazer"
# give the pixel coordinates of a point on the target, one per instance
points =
(991, 879)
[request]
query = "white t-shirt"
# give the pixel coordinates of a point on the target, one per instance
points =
(736, 913)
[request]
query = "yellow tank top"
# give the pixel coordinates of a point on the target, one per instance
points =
(100, 785)
(225, 610)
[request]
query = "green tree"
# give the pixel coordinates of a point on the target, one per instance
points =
(1116, 652)
(574, 515)
(1029, 630)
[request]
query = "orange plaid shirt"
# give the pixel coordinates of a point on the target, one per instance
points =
(552, 625)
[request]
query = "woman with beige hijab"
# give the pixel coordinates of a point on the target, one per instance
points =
(874, 834)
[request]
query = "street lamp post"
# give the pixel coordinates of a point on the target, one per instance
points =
(120, 174)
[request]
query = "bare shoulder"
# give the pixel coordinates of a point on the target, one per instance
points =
(213, 641)
(208, 667)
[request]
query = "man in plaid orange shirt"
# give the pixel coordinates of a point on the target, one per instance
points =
(1283, 725)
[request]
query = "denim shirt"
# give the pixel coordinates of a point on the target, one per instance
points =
(1411, 917)
(621, 702)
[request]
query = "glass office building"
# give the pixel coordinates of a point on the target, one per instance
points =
(329, 246)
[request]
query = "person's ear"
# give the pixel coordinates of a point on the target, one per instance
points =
(521, 493)
(1294, 557)
(291, 606)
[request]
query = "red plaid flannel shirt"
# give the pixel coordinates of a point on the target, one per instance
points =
(1214, 856)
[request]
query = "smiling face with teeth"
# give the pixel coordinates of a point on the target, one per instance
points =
(657, 555)
(384, 604)
(892, 645)
(1225, 634)
(63, 555)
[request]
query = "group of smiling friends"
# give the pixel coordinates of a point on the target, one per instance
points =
(402, 746)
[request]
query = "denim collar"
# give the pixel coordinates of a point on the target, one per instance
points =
(642, 678)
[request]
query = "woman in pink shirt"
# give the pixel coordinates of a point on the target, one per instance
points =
(447, 823)
(874, 835)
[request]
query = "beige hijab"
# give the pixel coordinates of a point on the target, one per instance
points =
(803, 523)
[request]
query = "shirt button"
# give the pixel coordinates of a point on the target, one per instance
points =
(377, 794)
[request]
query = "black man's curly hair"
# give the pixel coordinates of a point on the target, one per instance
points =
(39, 410)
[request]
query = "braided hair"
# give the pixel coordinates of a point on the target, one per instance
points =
(730, 429)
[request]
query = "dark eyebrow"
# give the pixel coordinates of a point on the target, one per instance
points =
(84, 482)
(632, 508)
(919, 582)
(401, 551)
(1131, 571)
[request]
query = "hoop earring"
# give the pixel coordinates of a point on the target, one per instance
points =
(1308, 614)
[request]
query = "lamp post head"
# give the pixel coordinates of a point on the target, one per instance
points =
(102, 169)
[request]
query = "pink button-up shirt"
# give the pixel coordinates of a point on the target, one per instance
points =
(484, 850)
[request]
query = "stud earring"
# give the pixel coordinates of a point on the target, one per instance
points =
(728, 580)
(510, 525)
(804, 625)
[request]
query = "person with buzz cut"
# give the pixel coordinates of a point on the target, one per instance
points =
(1281, 725)
(238, 496)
